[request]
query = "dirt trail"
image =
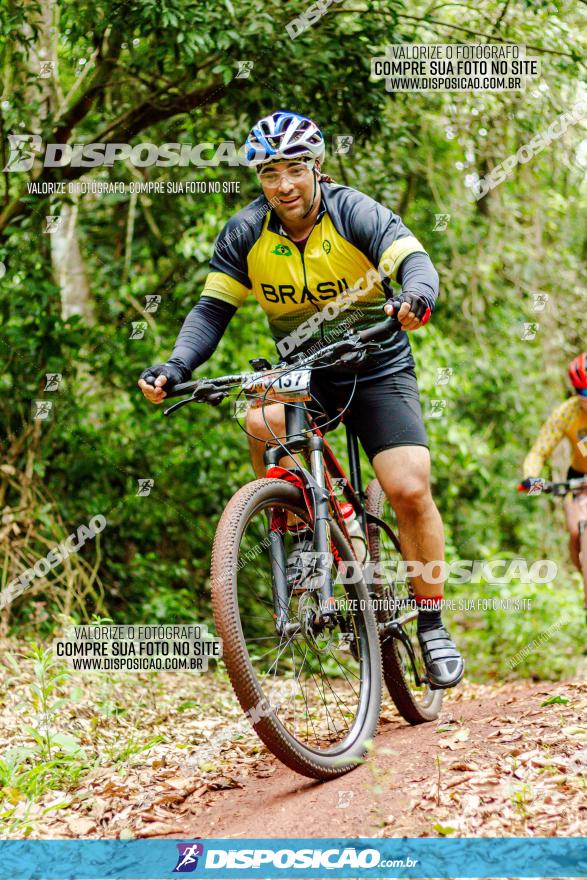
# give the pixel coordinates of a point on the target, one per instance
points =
(507, 765)
(180, 761)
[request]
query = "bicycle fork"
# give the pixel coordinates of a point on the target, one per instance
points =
(313, 481)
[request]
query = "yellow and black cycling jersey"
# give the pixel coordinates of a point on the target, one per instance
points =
(356, 243)
(567, 420)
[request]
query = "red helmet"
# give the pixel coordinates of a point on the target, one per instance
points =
(578, 372)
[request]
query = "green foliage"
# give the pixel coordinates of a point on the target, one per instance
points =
(53, 759)
(166, 72)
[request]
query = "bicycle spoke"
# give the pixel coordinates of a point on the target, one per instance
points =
(322, 705)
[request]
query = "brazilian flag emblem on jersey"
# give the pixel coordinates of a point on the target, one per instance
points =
(282, 250)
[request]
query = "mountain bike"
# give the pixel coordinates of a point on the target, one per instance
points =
(306, 655)
(577, 487)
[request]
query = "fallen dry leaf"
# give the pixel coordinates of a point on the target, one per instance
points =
(158, 829)
(456, 740)
(80, 826)
(459, 780)
(463, 765)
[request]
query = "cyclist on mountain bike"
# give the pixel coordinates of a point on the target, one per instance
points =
(567, 420)
(298, 248)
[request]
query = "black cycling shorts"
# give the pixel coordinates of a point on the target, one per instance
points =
(384, 412)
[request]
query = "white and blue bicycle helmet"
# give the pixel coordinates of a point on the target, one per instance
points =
(283, 135)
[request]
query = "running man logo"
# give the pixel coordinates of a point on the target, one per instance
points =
(46, 70)
(244, 69)
(529, 331)
(22, 151)
(343, 144)
(187, 861)
(41, 409)
(138, 329)
(444, 375)
(52, 381)
(282, 250)
(437, 408)
(52, 223)
(540, 301)
(152, 302)
(441, 222)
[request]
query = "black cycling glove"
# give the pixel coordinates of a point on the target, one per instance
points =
(175, 370)
(417, 304)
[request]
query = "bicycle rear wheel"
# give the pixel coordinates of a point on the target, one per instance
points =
(583, 558)
(312, 694)
(404, 671)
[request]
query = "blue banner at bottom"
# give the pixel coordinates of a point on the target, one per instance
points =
(508, 857)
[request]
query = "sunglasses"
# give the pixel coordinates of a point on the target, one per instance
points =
(295, 173)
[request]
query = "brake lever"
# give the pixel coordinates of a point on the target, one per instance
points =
(206, 392)
(338, 350)
(178, 405)
(353, 357)
(356, 355)
(216, 398)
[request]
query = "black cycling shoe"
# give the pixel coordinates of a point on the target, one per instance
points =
(298, 570)
(444, 664)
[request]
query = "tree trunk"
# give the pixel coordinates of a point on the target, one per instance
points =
(68, 267)
(66, 258)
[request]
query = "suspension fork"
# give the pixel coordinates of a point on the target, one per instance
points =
(277, 523)
(322, 537)
(300, 440)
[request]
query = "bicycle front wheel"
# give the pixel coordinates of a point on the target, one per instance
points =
(312, 692)
(403, 664)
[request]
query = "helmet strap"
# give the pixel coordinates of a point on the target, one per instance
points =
(315, 174)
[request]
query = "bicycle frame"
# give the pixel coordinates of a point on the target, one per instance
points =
(582, 529)
(317, 484)
(315, 480)
(577, 487)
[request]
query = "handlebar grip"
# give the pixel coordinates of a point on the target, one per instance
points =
(379, 331)
(384, 328)
(181, 390)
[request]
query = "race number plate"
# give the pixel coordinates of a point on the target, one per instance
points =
(287, 386)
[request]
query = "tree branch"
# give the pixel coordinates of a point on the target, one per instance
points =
(500, 19)
(467, 30)
(127, 126)
(105, 66)
(83, 75)
(148, 113)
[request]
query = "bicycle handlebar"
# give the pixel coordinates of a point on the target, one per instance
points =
(204, 385)
(214, 390)
(539, 486)
(380, 331)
